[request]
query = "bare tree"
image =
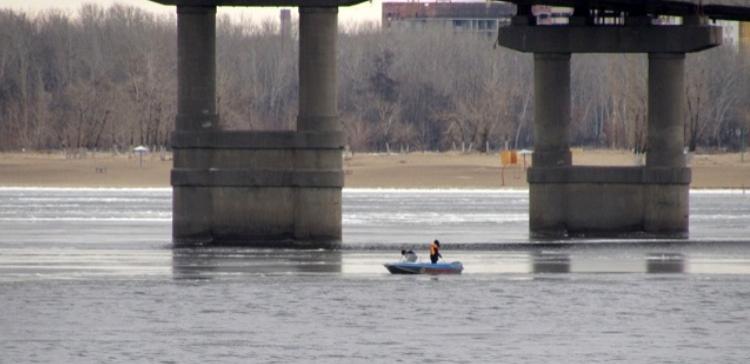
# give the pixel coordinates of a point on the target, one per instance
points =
(106, 79)
(713, 89)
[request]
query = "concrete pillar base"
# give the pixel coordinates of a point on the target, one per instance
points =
(263, 189)
(191, 216)
(667, 210)
(608, 202)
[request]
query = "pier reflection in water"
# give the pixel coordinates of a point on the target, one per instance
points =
(550, 262)
(665, 263)
(216, 262)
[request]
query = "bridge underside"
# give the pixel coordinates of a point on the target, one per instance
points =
(568, 200)
(714, 9)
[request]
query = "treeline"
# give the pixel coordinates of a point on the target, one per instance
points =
(106, 79)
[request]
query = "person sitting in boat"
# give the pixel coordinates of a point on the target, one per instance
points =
(408, 256)
(435, 251)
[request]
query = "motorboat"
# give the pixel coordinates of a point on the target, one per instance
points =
(425, 268)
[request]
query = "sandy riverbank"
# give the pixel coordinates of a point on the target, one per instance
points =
(413, 170)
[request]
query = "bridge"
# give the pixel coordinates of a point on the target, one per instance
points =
(713, 9)
(283, 189)
(653, 200)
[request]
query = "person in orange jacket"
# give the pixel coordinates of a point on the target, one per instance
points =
(435, 251)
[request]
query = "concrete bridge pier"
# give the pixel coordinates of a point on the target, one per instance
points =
(196, 113)
(666, 204)
(248, 188)
(547, 206)
(318, 210)
(569, 200)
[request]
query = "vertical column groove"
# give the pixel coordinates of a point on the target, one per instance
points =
(666, 103)
(551, 110)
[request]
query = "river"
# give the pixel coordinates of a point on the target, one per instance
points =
(88, 275)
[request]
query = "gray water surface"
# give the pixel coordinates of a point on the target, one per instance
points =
(89, 275)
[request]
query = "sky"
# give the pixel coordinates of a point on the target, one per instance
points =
(369, 11)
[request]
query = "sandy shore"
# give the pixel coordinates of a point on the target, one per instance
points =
(414, 170)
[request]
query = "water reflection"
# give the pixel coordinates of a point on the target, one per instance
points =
(611, 262)
(550, 262)
(213, 263)
(207, 263)
(665, 263)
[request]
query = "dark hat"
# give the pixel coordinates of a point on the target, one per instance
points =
(437, 242)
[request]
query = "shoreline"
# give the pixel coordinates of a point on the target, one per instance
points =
(412, 171)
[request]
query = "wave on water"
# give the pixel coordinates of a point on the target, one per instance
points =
(536, 245)
(345, 190)
(431, 218)
(75, 199)
(723, 191)
(85, 189)
(86, 219)
(434, 190)
(699, 191)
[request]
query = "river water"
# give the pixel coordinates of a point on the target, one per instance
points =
(88, 275)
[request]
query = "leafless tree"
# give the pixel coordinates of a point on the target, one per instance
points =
(106, 79)
(713, 88)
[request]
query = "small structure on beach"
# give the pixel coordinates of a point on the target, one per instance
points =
(140, 150)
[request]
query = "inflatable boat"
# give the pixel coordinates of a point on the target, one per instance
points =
(424, 268)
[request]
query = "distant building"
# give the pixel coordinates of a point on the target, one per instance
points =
(480, 16)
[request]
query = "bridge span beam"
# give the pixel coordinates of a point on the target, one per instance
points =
(568, 200)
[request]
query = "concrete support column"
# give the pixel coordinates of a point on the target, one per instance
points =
(318, 96)
(196, 112)
(666, 104)
(551, 110)
(547, 202)
(317, 214)
(567, 200)
(196, 68)
(666, 206)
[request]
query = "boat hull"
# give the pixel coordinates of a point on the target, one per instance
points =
(424, 268)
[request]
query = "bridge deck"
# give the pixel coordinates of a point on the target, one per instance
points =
(716, 9)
